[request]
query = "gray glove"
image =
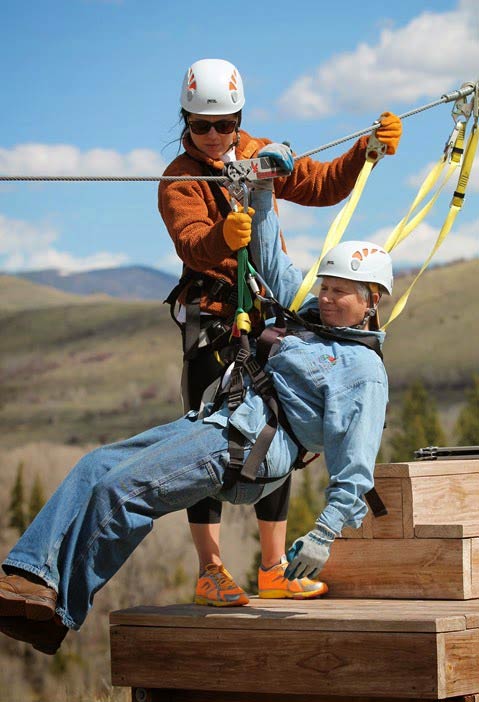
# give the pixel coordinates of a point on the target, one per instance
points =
(281, 153)
(308, 554)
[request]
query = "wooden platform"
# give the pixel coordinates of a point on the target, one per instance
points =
(286, 651)
(428, 544)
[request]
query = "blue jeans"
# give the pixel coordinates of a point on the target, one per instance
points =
(106, 506)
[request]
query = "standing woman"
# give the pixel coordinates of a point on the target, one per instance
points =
(207, 234)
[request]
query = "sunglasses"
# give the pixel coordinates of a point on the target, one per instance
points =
(203, 126)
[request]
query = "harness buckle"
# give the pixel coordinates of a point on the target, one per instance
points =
(261, 381)
(217, 289)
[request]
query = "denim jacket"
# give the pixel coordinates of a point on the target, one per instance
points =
(334, 393)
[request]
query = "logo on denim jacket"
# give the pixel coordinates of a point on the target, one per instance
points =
(326, 357)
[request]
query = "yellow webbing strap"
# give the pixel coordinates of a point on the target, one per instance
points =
(404, 228)
(334, 234)
(455, 206)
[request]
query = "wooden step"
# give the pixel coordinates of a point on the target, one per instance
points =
(423, 493)
(278, 651)
(404, 568)
(427, 546)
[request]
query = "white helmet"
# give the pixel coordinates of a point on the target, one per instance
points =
(362, 261)
(212, 87)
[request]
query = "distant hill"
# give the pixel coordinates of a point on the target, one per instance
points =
(125, 282)
(17, 294)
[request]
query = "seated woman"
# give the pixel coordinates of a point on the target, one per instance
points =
(332, 388)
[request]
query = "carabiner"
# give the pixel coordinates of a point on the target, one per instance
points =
(236, 189)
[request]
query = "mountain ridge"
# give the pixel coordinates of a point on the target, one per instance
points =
(133, 282)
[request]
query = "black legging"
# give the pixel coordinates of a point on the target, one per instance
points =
(200, 372)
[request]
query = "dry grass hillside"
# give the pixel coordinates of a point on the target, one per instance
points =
(436, 337)
(18, 294)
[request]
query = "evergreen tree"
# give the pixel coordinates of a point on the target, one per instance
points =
(37, 499)
(467, 425)
(16, 508)
(420, 424)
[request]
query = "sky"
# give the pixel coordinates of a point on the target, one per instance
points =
(91, 87)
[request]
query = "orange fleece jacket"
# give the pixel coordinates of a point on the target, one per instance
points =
(194, 221)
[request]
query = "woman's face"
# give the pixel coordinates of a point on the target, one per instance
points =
(213, 143)
(340, 302)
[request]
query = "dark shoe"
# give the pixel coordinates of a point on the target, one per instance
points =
(45, 637)
(21, 598)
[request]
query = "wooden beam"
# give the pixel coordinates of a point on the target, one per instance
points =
(345, 663)
(172, 695)
(446, 499)
(325, 614)
(401, 568)
(446, 531)
(459, 666)
(426, 468)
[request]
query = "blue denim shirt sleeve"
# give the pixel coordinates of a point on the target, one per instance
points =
(353, 425)
(272, 263)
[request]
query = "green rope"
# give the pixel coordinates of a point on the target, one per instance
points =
(245, 301)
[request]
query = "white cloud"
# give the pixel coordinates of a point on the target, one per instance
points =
(64, 159)
(416, 179)
(461, 242)
(427, 57)
(26, 246)
(296, 218)
(170, 263)
(304, 250)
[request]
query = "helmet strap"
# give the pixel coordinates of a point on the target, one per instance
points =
(371, 314)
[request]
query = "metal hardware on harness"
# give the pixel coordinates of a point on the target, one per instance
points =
(252, 169)
(238, 190)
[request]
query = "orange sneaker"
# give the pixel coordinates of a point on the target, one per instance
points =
(216, 587)
(273, 585)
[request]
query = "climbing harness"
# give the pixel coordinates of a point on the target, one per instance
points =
(252, 365)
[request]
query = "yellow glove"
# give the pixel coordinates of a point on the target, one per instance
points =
(237, 229)
(389, 132)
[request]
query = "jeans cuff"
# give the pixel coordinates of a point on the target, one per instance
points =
(30, 569)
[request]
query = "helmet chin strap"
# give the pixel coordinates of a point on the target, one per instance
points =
(369, 314)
